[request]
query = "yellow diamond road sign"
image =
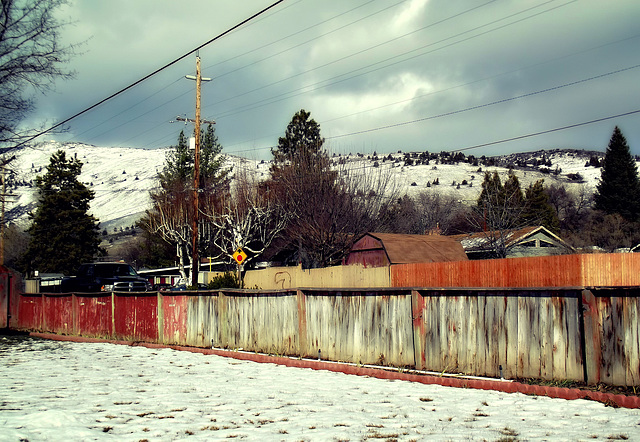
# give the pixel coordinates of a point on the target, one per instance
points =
(239, 256)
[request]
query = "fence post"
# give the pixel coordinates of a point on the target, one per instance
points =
(223, 322)
(417, 312)
(302, 323)
(160, 315)
(591, 337)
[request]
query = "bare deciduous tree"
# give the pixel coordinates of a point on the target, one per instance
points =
(30, 60)
(247, 218)
(330, 208)
(170, 218)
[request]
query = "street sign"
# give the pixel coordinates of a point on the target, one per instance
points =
(239, 256)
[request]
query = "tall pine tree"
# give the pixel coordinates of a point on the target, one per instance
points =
(619, 188)
(63, 233)
(538, 209)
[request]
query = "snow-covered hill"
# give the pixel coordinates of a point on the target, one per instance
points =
(122, 177)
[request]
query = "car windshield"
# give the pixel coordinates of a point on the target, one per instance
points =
(107, 270)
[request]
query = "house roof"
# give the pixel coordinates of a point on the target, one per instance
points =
(482, 240)
(404, 249)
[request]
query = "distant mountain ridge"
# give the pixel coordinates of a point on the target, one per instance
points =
(122, 177)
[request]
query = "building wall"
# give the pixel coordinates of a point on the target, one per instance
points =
(279, 278)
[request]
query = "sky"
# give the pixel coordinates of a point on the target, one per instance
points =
(75, 391)
(378, 75)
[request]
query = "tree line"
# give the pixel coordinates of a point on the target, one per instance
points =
(310, 210)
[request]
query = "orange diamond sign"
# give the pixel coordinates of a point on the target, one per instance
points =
(239, 256)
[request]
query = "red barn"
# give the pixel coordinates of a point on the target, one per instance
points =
(385, 249)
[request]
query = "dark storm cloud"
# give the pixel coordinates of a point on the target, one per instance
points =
(357, 66)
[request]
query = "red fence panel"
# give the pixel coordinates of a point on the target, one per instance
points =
(29, 311)
(136, 316)
(94, 315)
(57, 313)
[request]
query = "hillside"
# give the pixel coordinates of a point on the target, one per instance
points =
(122, 177)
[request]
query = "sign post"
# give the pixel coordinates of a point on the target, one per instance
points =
(239, 257)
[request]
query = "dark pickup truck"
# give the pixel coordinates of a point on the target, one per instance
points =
(105, 277)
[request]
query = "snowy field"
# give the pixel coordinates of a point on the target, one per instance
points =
(52, 390)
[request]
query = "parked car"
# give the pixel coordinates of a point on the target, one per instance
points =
(105, 277)
(182, 287)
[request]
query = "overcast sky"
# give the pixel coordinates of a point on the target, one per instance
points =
(378, 75)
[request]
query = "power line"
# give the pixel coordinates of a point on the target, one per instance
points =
(362, 70)
(306, 29)
(463, 84)
(557, 129)
(367, 49)
(253, 63)
(480, 106)
(146, 77)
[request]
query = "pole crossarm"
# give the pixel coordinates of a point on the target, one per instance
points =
(192, 120)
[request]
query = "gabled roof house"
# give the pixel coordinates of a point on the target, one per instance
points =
(527, 241)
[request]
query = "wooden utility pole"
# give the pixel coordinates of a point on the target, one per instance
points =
(195, 266)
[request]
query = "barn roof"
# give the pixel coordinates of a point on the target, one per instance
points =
(404, 249)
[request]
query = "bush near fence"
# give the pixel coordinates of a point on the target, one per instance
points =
(553, 334)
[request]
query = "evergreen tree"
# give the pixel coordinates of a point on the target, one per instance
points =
(179, 161)
(538, 208)
(619, 188)
(302, 136)
(491, 189)
(170, 217)
(63, 233)
(499, 210)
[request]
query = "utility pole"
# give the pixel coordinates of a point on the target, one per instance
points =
(195, 266)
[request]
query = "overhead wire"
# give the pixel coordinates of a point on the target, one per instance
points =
(479, 106)
(424, 27)
(431, 93)
(181, 95)
(272, 55)
(146, 77)
(305, 29)
(348, 75)
(484, 105)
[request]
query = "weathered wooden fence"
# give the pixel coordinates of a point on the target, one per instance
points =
(553, 333)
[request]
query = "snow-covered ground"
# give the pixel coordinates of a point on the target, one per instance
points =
(65, 391)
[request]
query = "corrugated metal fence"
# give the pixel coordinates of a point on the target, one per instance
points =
(554, 334)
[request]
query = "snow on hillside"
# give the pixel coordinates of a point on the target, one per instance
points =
(122, 177)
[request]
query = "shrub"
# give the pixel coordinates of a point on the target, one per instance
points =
(227, 280)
